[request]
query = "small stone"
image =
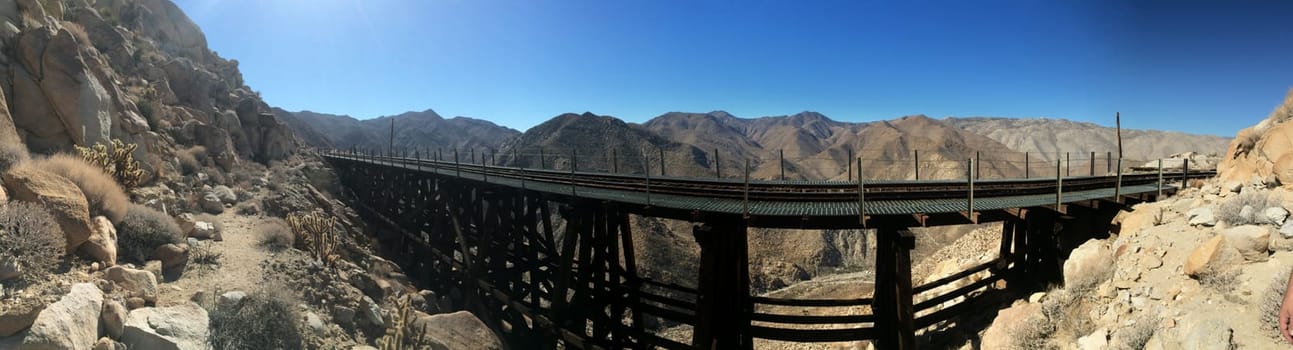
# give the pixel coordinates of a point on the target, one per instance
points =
(343, 315)
(204, 230)
(211, 203)
(1202, 217)
(1275, 215)
(9, 269)
(193, 242)
(113, 317)
(314, 322)
(136, 283)
(186, 222)
(171, 255)
(372, 312)
(1286, 230)
(106, 344)
(231, 299)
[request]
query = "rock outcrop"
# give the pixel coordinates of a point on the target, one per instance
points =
(1263, 150)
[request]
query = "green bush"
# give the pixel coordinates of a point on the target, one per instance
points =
(268, 319)
(142, 230)
(30, 236)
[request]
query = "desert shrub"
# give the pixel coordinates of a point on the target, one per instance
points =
(315, 233)
(274, 234)
(12, 153)
(1272, 300)
(267, 319)
(142, 230)
(119, 161)
(1222, 281)
(103, 193)
(1135, 336)
(1231, 210)
(189, 163)
(30, 236)
(204, 257)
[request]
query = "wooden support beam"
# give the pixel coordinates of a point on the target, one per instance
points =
(892, 303)
(723, 302)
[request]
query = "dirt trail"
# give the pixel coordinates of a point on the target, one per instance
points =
(240, 262)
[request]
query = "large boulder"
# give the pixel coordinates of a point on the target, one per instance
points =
(1251, 241)
(1089, 264)
(114, 318)
(211, 203)
(458, 330)
(102, 245)
(1010, 323)
(63, 199)
(72, 323)
(1202, 217)
(134, 283)
(1258, 151)
(225, 194)
(1213, 256)
(180, 327)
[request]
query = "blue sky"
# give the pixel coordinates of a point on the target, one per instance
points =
(1202, 67)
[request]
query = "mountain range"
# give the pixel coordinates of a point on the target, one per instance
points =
(718, 143)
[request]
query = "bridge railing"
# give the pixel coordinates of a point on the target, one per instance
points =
(839, 164)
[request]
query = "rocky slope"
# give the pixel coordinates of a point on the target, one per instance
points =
(413, 130)
(191, 252)
(1048, 138)
(1263, 152)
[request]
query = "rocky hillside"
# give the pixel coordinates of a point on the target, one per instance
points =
(1048, 138)
(1205, 269)
(413, 130)
(595, 141)
(151, 200)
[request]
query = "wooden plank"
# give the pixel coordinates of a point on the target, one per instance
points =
(812, 319)
(812, 302)
(815, 335)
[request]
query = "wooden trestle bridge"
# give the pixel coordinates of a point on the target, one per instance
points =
(487, 232)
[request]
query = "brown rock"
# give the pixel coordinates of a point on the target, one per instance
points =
(102, 245)
(135, 283)
(63, 199)
(1212, 256)
(14, 318)
(1252, 241)
(106, 344)
(114, 318)
(135, 303)
(1089, 264)
(171, 255)
(458, 330)
(186, 222)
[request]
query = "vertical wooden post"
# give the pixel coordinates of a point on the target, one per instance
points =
(969, 179)
(1117, 190)
(615, 161)
(1059, 186)
(782, 161)
(1068, 165)
(646, 164)
(543, 163)
(892, 303)
(977, 173)
(1185, 173)
(861, 195)
(1108, 160)
(1027, 166)
(718, 166)
(1092, 161)
(457, 168)
(916, 162)
(662, 173)
(723, 302)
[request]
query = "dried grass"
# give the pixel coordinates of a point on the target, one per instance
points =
(143, 230)
(30, 236)
(104, 195)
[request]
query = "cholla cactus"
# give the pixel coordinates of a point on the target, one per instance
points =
(315, 232)
(402, 334)
(119, 162)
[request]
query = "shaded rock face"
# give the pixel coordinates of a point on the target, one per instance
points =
(458, 330)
